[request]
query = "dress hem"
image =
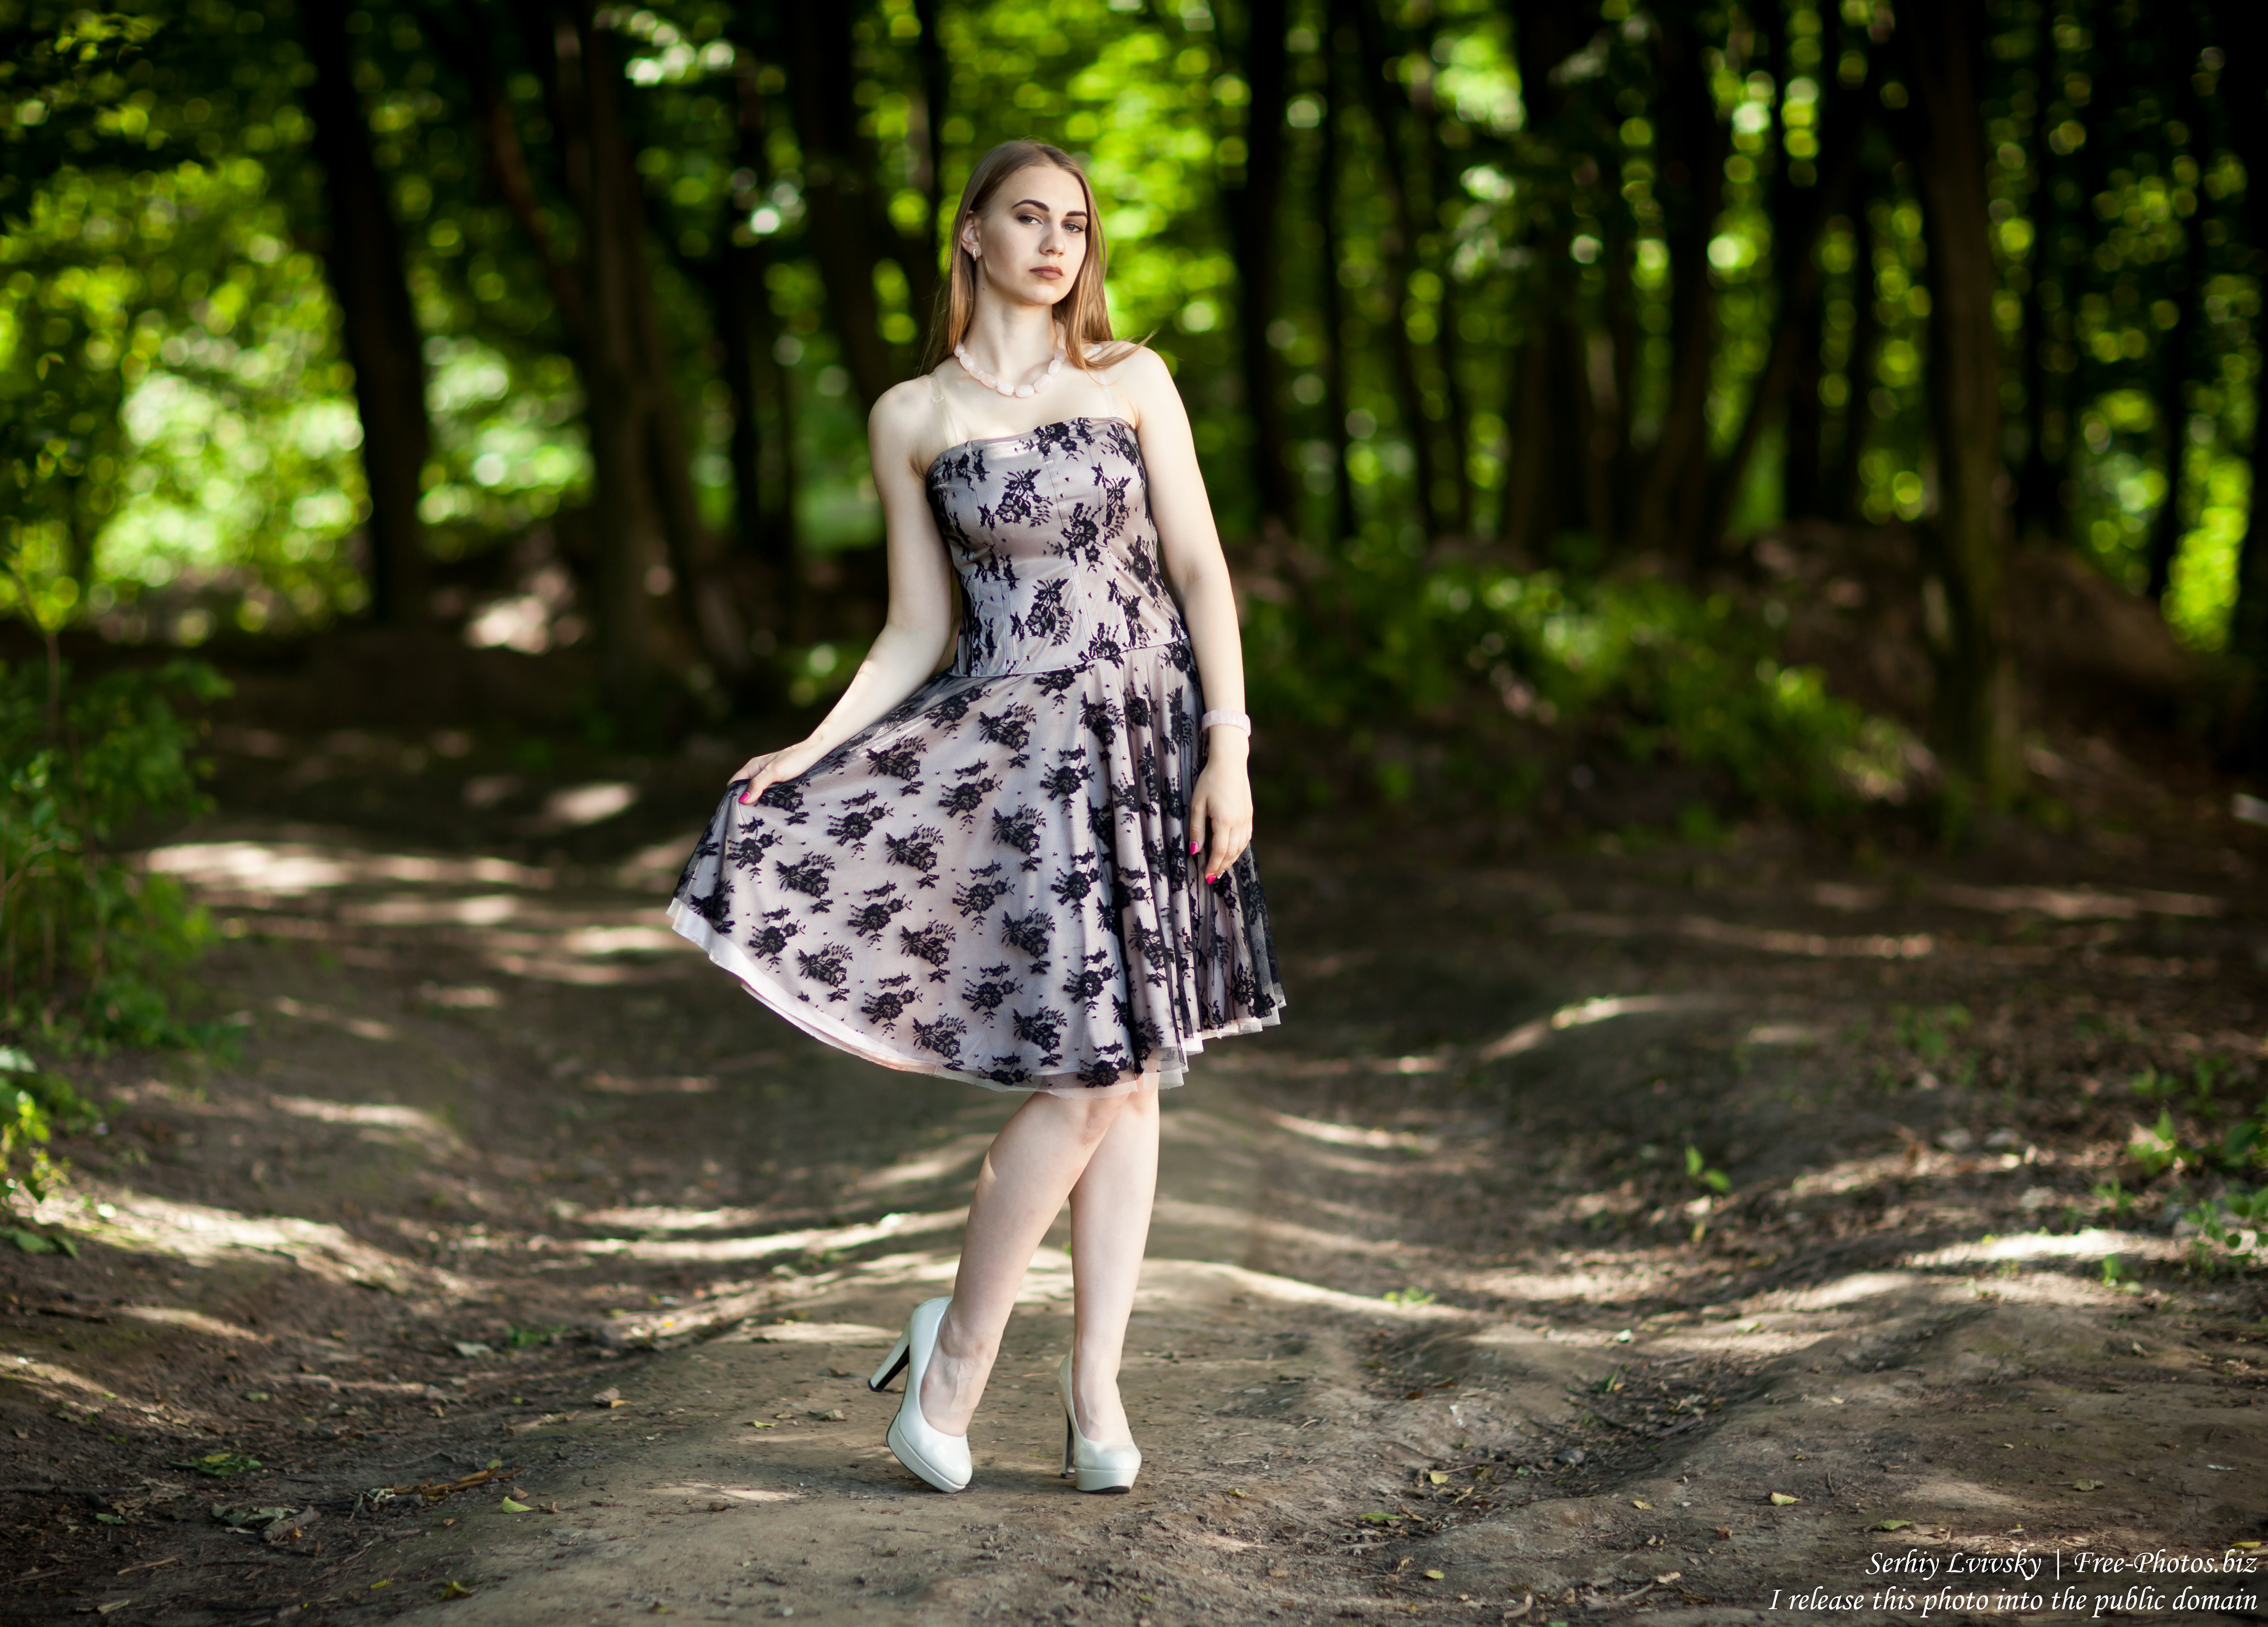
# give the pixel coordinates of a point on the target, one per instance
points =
(692, 926)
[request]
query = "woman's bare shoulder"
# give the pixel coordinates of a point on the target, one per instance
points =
(903, 419)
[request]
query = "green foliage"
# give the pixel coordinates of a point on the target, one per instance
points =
(86, 937)
(1506, 672)
(2155, 1148)
(1928, 1031)
(34, 1105)
(1697, 1171)
(2229, 1227)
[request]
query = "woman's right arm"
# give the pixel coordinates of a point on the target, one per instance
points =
(913, 641)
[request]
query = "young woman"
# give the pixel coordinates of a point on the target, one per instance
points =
(1030, 871)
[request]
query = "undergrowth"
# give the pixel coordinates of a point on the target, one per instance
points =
(1468, 683)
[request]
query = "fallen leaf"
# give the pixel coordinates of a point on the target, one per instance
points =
(512, 1507)
(1435, 1576)
(455, 1589)
(1890, 1525)
(2086, 1485)
(496, 1463)
(1724, 1531)
(609, 1397)
(833, 1415)
(255, 1394)
(761, 1424)
(1236, 1491)
(115, 1604)
(1639, 1502)
(1376, 1518)
(1278, 1570)
(1413, 1395)
(470, 1348)
(718, 1508)
(110, 1520)
(1781, 1499)
(388, 1582)
(1667, 1577)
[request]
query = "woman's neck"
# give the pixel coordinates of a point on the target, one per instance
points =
(1010, 340)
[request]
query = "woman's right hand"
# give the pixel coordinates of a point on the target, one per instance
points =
(762, 773)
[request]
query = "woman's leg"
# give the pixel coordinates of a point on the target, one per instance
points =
(1110, 1228)
(1034, 1161)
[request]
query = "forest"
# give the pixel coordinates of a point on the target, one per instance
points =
(1742, 515)
(1619, 414)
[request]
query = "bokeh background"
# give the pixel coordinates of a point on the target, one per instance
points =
(1622, 414)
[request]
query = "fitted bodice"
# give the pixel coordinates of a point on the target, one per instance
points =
(1050, 533)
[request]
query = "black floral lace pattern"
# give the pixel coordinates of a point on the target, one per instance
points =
(993, 883)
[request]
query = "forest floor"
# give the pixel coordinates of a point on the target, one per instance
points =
(509, 1192)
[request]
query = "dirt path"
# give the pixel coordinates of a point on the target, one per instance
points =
(1437, 1318)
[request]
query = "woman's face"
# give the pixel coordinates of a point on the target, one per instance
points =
(1030, 241)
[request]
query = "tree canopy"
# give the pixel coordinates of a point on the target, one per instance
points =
(559, 320)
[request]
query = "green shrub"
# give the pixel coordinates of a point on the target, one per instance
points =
(86, 936)
(1468, 678)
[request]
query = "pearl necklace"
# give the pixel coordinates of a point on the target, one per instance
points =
(1054, 365)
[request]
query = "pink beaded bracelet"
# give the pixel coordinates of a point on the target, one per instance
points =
(1232, 719)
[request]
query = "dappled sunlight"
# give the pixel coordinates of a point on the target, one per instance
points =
(699, 1489)
(1352, 1136)
(820, 1333)
(256, 870)
(1167, 1280)
(361, 1027)
(1239, 1230)
(937, 1164)
(195, 1321)
(2078, 904)
(1733, 935)
(1583, 1014)
(203, 1235)
(415, 1122)
(2092, 1244)
(816, 1240)
(650, 1217)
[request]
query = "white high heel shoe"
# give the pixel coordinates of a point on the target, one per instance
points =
(1090, 1467)
(940, 1459)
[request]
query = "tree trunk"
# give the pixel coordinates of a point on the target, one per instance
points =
(1799, 216)
(2177, 368)
(1396, 248)
(1331, 297)
(379, 323)
(1844, 480)
(937, 83)
(1803, 490)
(850, 230)
(1551, 479)
(764, 515)
(1252, 208)
(1944, 138)
(1675, 493)
(2039, 506)
(1439, 184)
(2244, 92)
(624, 516)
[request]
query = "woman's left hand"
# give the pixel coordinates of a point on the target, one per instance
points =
(1220, 810)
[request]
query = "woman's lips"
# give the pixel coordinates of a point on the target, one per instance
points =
(1046, 271)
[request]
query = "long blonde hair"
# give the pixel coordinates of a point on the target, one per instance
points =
(1082, 315)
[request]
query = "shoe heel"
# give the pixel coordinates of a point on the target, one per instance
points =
(893, 1364)
(1067, 1470)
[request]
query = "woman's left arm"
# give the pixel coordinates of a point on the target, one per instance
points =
(1220, 806)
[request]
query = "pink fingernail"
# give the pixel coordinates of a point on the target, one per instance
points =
(1208, 880)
